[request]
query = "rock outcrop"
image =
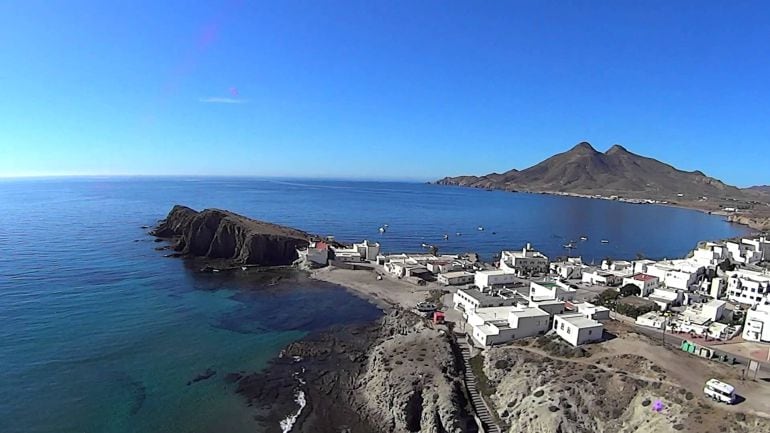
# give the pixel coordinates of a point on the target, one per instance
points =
(399, 375)
(229, 237)
(535, 393)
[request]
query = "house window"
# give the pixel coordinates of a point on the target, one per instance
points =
(568, 331)
(589, 332)
(561, 326)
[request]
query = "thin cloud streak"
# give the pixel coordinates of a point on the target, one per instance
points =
(216, 100)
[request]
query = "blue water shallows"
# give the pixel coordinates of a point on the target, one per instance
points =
(99, 333)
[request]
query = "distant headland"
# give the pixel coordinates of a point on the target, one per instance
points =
(619, 174)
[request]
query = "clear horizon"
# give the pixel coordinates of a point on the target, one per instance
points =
(391, 91)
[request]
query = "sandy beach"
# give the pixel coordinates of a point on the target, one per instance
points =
(385, 293)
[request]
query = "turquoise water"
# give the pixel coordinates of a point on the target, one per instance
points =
(100, 333)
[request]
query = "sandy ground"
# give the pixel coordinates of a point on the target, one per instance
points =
(690, 372)
(385, 293)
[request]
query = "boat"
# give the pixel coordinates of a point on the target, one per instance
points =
(569, 245)
(481, 229)
(385, 225)
(605, 241)
(584, 238)
(446, 237)
(424, 245)
(381, 230)
(244, 268)
(458, 234)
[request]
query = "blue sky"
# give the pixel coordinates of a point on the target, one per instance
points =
(379, 89)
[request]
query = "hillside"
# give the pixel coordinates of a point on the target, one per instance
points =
(584, 170)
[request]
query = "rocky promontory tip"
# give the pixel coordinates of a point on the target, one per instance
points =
(234, 239)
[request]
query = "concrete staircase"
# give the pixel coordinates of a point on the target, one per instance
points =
(479, 405)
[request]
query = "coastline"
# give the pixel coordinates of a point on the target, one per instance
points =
(755, 221)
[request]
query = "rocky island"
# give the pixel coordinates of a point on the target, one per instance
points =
(230, 239)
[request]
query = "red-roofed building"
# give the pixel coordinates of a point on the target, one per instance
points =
(645, 282)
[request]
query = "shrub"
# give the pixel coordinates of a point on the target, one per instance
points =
(630, 290)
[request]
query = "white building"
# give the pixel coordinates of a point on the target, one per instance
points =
(757, 327)
(748, 287)
(653, 319)
(496, 325)
(617, 265)
(524, 262)
(646, 283)
(749, 251)
(666, 298)
(713, 309)
(576, 329)
(678, 274)
(551, 290)
(455, 278)
(363, 251)
(572, 269)
(640, 266)
(591, 311)
(468, 300)
(599, 277)
(486, 279)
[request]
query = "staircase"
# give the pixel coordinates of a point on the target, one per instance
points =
(479, 405)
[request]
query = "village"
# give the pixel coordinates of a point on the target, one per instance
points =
(718, 294)
(714, 304)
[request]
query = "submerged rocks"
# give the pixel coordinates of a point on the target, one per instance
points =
(230, 238)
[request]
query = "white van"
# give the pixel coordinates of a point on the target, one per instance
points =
(720, 391)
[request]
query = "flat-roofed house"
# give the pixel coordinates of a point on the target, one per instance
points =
(576, 329)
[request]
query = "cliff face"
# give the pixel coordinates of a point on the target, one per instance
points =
(219, 234)
(412, 381)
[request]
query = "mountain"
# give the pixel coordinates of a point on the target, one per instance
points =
(584, 170)
(762, 190)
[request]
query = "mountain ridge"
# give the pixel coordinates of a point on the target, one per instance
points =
(616, 172)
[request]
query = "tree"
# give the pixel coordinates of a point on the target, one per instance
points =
(607, 298)
(630, 290)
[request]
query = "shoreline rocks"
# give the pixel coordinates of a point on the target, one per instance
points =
(398, 374)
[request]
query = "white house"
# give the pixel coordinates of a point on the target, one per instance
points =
(499, 277)
(455, 278)
(713, 309)
(599, 277)
(496, 325)
(524, 262)
(640, 266)
(757, 327)
(666, 298)
(617, 265)
(645, 282)
(748, 287)
(468, 300)
(678, 274)
(576, 329)
(749, 251)
(653, 319)
(550, 290)
(572, 269)
(591, 311)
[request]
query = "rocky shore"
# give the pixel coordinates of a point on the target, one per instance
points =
(229, 239)
(399, 374)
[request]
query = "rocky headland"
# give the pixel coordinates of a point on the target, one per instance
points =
(397, 375)
(229, 239)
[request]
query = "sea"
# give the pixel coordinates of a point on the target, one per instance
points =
(99, 333)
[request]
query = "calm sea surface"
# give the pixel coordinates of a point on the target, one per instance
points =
(100, 333)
